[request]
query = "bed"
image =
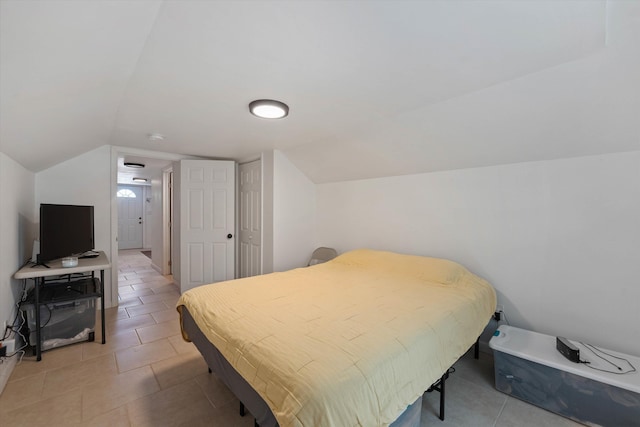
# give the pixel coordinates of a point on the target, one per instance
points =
(355, 341)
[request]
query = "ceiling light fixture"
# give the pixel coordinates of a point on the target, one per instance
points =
(139, 180)
(155, 137)
(269, 109)
(134, 165)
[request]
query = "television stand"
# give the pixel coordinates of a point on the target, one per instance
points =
(38, 264)
(40, 272)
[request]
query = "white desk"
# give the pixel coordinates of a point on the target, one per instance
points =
(38, 273)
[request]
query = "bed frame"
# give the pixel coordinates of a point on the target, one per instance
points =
(251, 400)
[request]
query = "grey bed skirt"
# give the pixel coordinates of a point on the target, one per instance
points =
(247, 395)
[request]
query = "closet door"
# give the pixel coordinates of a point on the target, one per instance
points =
(250, 176)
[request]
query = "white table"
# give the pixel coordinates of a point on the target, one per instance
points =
(39, 273)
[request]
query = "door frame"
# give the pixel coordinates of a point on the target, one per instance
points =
(167, 220)
(117, 151)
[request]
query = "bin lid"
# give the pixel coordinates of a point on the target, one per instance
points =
(541, 348)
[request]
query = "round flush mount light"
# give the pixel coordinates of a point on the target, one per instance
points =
(134, 165)
(139, 179)
(269, 109)
(156, 137)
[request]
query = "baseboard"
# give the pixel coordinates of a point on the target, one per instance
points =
(6, 368)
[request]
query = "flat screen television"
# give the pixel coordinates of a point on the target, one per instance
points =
(65, 230)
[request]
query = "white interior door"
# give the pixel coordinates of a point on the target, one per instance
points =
(129, 217)
(205, 200)
(250, 230)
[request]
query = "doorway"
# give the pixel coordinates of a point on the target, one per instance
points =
(149, 166)
(130, 217)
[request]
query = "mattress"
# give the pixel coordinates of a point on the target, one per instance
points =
(351, 342)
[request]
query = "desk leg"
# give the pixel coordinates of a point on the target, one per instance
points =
(102, 305)
(38, 283)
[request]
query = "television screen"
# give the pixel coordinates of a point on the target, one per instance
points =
(65, 230)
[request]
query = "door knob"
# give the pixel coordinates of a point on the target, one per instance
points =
(229, 236)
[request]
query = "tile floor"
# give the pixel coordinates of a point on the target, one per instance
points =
(146, 375)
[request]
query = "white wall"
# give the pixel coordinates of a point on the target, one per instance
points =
(84, 180)
(154, 224)
(17, 231)
(294, 215)
(559, 240)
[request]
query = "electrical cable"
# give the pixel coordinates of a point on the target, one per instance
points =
(50, 315)
(17, 330)
(503, 314)
(11, 327)
(592, 348)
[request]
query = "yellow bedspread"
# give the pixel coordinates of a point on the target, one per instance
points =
(351, 342)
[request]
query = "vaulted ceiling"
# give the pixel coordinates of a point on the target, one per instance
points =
(375, 88)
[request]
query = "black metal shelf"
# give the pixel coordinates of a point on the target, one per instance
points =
(66, 291)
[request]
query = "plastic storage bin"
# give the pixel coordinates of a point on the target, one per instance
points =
(528, 366)
(67, 314)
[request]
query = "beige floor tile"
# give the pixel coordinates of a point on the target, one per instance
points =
(146, 308)
(119, 341)
(144, 354)
(22, 392)
(184, 404)
(130, 292)
(218, 394)
(171, 295)
(120, 325)
(182, 346)
(118, 417)
(144, 272)
(166, 315)
(51, 359)
(151, 282)
(178, 369)
(152, 333)
(113, 313)
(117, 391)
(129, 301)
(123, 287)
(77, 375)
(131, 281)
(62, 410)
(135, 278)
(228, 416)
(162, 288)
